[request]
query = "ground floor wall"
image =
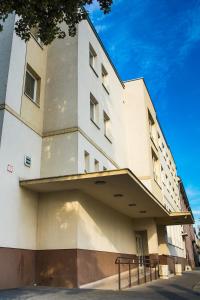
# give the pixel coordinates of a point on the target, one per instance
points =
(171, 261)
(18, 207)
(78, 241)
(68, 268)
(58, 267)
(17, 267)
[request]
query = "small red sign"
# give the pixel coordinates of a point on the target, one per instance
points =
(10, 168)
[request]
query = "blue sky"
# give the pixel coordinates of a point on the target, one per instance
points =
(160, 41)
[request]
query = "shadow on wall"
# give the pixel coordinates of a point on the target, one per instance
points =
(101, 227)
(95, 227)
(59, 155)
(61, 85)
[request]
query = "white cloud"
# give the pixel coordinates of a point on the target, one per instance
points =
(193, 192)
(161, 54)
(192, 35)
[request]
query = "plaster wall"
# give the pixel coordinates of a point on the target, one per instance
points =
(68, 220)
(59, 155)
(149, 225)
(136, 129)
(61, 85)
(6, 37)
(33, 112)
(17, 204)
(57, 220)
(1, 123)
(95, 153)
(16, 74)
(104, 229)
(112, 102)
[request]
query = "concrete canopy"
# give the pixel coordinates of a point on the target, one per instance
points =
(119, 189)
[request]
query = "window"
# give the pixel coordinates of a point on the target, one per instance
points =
(34, 33)
(156, 167)
(152, 128)
(94, 110)
(96, 165)
(159, 142)
(32, 85)
(106, 121)
(92, 57)
(162, 175)
(104, 169)
(86, 162)
(104, 74)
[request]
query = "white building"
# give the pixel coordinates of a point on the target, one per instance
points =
(86, 174)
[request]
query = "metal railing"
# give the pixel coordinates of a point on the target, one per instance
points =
(137, 263)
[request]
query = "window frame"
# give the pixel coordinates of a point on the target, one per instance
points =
(86, 162)
(106, 127)
(93, 58)
(94, 117)
(37, 82)
(34, 35)
(96, 164)
(104, 76)
(156, 168)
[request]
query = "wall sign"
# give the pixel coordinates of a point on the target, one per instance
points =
(10, 168)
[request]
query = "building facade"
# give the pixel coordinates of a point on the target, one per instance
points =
(189, 235)
(86, 172)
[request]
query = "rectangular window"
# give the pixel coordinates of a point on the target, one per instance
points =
(156, 167)
(106, 120)
(96, 165)
(104, 74)
(92, 57)
(32, 85)
(162, 175)
(35, 33)
(152, 128)
(86, 162)
(94, 110)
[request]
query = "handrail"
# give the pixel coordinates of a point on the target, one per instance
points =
(132, 261)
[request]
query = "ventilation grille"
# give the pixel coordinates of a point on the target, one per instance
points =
(27, 161)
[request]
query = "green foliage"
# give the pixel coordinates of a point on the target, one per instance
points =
(47, 15)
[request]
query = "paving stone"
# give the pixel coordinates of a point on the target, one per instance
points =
(185, 287)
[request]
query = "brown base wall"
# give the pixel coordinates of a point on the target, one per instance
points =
(17, 268)
(69, 268)
(171, 260)
(57, 268)
(96, 265)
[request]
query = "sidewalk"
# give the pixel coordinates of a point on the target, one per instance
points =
(186, 287)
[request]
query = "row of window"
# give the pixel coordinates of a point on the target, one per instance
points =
(96, 166)
(94, 117)
(155, 137)
(93, 64)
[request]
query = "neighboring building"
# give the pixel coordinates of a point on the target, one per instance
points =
(86, 174)
(188, 232)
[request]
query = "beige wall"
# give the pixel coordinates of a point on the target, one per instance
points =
(61, 85)
(59, 155)
(162, 240)
(149, 225)
(111, 103)
(31, 112)
(102, 228)
(136, 129)
(18, 207)
(73, 220)
(57, 220)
